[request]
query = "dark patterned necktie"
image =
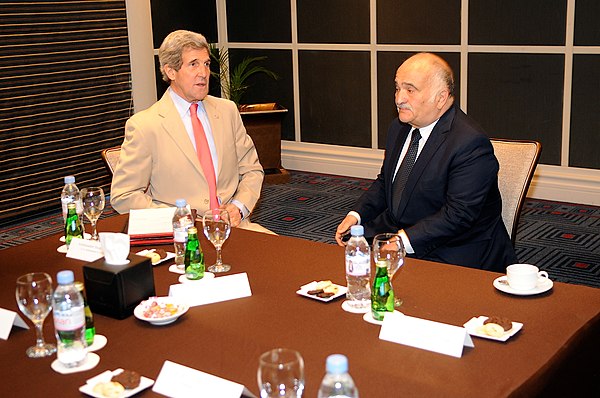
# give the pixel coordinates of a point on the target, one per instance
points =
(407, 164)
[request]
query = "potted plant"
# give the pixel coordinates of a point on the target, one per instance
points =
(262, 121)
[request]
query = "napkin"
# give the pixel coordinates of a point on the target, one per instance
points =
(115, 247)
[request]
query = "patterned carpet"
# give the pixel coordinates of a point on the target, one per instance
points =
(561, 238)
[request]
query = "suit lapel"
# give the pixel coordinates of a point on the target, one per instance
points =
(173, 126)
(435, 140)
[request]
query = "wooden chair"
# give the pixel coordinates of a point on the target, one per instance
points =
(518, 160)
(111, 158)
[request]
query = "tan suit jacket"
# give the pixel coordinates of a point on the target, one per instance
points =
(158, 163)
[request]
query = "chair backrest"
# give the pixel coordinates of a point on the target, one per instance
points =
(518, 160)
(111, 158)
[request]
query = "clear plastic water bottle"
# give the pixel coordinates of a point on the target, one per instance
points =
(337, 382)
(70, 193)
(358, 269)
(68, 310)
(182, 220)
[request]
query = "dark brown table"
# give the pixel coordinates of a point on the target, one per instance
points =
(556, 351)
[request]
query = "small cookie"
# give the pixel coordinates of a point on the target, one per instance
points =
(162, 253)
(491, 329)
(128, 379)
(498, 320)
(322, 285)
(154, 257)
(110, 389)
(315, 292)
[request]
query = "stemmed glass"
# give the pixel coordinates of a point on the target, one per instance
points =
(93, 203)
(34, 297)
(388, 247)
(281, 374)
(216, 229)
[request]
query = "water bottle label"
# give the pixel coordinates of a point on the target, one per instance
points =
(69, 320)
(180, 235)
(358, 265)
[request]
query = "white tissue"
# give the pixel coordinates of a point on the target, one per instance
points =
(115, 247)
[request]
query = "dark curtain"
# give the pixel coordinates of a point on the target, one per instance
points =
(65, 94)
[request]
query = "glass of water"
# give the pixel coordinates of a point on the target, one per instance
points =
(281, 374)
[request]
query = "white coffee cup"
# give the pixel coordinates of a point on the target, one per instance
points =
(524, 276)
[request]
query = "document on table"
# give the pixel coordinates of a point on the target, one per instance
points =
(427, 335)
(214, 290)
(148, 222)
(175, 380)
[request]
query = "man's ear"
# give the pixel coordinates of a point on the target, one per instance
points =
(442, 98)
(170, 72)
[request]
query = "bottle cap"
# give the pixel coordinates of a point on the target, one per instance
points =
(180, 203)
(69, 179)
(357, 230)
(65, 277)
(337, 364)
(71, 205)
(192, 230)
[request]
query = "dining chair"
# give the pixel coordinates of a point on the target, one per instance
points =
(111, 158)
(518, 160)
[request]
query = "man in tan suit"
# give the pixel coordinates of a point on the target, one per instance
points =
(159, 163)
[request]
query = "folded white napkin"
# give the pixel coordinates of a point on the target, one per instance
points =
(115, 247)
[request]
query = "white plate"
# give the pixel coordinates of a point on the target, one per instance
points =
(544, 284)
(105, 377)
(312, 285)
(207, 275)
(168, 257)
(368, 316)
(476, 322)
(176, 270)
(144, 305)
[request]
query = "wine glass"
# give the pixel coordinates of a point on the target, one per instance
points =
(93, 203)
(34, 297)
(388, 247)
(281, 374)
(216, 229)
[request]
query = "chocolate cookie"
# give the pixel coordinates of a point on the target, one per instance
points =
(128, 379)
(162, 253)
(504, 322)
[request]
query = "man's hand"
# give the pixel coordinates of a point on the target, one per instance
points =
(235, 216)
(344, 228)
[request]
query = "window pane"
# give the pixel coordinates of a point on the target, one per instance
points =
(587, 32)
(519, 96)
(265, 21)
(335, 97)
(170, 15)
(585, 118)
(329, 21)
(418, 22)
(517, 22)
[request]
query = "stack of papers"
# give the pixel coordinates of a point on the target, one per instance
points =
(151, 226)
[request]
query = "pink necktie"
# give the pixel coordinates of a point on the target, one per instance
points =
(204, 156)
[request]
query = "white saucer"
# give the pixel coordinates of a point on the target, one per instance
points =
(62, 249)
(85, 236)
(176, 270)
(207, 275)
(369, 318)
(544, 284)
(348, 308)
(99, 343)
(90, 362)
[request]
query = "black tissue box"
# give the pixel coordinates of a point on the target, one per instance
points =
(115, 290)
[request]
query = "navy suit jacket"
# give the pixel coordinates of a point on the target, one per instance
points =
(451, 206)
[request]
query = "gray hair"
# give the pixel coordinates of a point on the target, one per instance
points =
(171, 49)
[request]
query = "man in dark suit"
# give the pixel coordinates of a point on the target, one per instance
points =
(446, 205)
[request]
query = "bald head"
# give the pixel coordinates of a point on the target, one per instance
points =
(424, 89)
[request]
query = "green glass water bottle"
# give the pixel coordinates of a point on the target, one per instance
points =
(73, 227)
(90, 329)
(382, 295)
(194, 258)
